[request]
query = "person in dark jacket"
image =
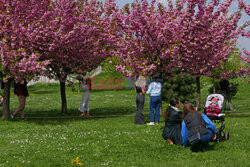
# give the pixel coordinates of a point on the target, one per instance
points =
(140, 86)
(226, 88)
(173, 118)
(196, 123)
(20, 89)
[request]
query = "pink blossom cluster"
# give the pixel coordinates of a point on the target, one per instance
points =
(196, 36)
(74, 35)
(148, 39)
(18, 58)
(63, 37)
(56, 38)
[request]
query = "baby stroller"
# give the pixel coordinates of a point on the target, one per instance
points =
(219, 120)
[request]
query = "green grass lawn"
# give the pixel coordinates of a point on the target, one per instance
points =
(104, 140)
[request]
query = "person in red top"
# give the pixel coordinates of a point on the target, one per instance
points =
(20, 89)
(213, 108)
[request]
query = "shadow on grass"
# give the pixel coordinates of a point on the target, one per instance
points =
(103, 111)
(55, 117)
(46, 121)
(62, 120)
(210, 146)
(43, 91)
(238, 115)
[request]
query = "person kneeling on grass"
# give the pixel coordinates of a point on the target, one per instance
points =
(197, 129)
(173, 118)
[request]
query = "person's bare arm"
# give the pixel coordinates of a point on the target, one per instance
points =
(143, 91)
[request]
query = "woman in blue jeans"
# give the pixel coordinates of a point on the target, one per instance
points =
(194, 123)
(154, 91)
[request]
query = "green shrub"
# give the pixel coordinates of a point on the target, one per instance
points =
(180, 86)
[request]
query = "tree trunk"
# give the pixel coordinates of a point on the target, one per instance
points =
(63, 97)
(214, 86)
(79, 87)
(6, 100)
(198, 91)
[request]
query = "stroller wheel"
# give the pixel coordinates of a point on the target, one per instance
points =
(227, 136)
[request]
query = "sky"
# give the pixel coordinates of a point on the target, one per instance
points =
(242, 42)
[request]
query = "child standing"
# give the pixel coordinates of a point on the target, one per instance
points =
(84, 106)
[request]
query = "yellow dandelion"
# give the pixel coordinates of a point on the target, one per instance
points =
(80, 163)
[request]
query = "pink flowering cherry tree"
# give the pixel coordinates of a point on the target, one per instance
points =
(18, 59)
(208, 37)
(148, 39)
(74, 36)
(245, 33)
(196, 36)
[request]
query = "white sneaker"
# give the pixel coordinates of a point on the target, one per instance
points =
(150, 123)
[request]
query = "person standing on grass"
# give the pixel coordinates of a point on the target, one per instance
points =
(154, 91)
(20, 89)
(197, 129)
(173, 118)
(226, 89)
(140, 86)
(84, 106)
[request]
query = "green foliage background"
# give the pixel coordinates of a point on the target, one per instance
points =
(180, 86)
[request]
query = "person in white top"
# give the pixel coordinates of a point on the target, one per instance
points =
(84, 106)
(154, 91)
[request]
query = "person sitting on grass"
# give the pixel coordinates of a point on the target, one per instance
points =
(173, 118)
(197, 129)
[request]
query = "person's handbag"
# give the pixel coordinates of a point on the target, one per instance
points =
(195, 138)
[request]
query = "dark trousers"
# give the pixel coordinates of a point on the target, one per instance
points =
(227, 96)
(207, 137)
(139, 117)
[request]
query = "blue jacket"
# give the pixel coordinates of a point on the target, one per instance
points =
(184, 130)
(154, 89)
